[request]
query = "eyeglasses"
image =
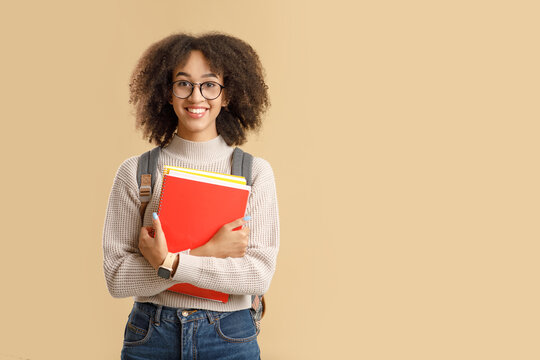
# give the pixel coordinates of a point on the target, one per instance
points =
(210, 90)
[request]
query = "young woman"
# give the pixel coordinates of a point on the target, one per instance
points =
(196, 97)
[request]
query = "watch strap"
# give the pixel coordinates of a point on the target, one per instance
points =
(169, 261)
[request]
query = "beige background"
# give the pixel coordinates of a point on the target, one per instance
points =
(403, 135)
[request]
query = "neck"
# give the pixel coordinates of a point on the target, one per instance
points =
(199, 151)
(197, 136)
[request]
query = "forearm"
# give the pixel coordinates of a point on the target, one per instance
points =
(250, 274)
(132, 275)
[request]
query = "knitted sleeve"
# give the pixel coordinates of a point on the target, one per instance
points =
(252, 273)
(127, 272)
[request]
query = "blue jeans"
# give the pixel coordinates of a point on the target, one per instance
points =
(161, 332)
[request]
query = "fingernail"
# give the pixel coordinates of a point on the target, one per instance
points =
(247, 218)
(155, 216)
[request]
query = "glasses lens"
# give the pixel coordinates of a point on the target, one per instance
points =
(182, 89)
(210, 90)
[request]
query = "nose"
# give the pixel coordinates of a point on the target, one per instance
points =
(196, 95)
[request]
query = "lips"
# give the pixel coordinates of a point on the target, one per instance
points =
(196, 112)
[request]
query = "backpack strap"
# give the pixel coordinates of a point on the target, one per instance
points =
(146, 176)
(242, 163)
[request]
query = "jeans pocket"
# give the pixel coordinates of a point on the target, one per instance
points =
(237, 327)
(138, 328)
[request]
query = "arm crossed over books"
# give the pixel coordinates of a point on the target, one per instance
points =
(129, 273)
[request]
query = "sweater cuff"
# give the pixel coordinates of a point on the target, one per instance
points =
(189, 269)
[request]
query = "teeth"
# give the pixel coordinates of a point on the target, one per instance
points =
(196, 111)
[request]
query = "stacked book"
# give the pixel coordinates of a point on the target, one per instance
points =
(194, 205)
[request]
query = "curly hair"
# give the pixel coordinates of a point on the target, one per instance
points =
(243, 76)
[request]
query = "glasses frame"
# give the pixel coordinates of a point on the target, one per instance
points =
(221, 87)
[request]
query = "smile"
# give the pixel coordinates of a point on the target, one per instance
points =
(196, 110)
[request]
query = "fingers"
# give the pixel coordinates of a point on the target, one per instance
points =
(145, 238)
(244, 241)
(157, 223)
(155, 220)
(235, 224)
(242, 237)
(146, 231)
(238, 223)
(152, 242)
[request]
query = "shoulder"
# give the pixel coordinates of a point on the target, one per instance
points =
(262, 171)
(127, 171)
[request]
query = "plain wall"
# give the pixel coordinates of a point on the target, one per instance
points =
(403, 136)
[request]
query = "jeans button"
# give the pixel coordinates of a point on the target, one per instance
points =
(185, 313)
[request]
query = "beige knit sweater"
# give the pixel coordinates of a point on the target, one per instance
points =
(129, 274)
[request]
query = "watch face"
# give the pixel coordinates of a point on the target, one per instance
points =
(164, 273)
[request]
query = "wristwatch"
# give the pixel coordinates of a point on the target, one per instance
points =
(165, 269)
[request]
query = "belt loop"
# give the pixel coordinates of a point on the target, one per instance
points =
(158, 314)
(210, 316)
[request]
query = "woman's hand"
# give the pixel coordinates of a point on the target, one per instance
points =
(227, 242)
(154, 249)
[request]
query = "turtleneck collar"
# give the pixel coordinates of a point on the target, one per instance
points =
(199, 152)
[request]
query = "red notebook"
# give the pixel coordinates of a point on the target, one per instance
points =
(192, 209)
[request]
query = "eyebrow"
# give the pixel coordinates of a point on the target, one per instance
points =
(204, 76)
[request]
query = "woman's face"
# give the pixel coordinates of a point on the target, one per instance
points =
(197, 115)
